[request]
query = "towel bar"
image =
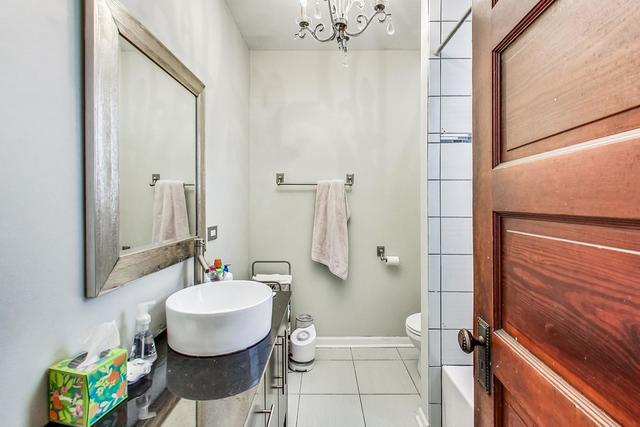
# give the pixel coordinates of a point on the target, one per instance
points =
(156, 177)
(280, 180)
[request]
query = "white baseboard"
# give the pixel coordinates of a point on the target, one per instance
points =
(363, 342)
(421, 418)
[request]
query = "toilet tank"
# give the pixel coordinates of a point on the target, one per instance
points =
(457, 396)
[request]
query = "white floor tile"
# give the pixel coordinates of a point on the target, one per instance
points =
(333, 354)
(295, 379)
(375, 353)
(412, 367)
(330, 411)
(408, 353)
(390, 411)
(292, 409)
(383, 377)
(330, 377)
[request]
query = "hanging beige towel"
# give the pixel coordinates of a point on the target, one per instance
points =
(330, 244)
(170, 219)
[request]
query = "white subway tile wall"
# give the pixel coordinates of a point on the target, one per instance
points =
(435, 384)
(434, 159)
(456, 273)
(453, 10)
(435, 344)
(459, 199)
(456, 77)
(434, 235)
(456, 237)
(449, 194)
(455, 160)
(455, 114)
(434, 273)
(451, 354)
(460, 45)
(434, 190)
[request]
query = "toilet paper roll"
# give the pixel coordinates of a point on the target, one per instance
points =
(393, 260)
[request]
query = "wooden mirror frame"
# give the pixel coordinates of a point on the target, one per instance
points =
(105, 268)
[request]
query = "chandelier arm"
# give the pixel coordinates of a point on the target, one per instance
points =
(314, 33)
(380, 14)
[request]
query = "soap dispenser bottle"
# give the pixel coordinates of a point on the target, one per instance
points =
(143, 345)
(227, 275)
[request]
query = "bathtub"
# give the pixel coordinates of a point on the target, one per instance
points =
(457, 396)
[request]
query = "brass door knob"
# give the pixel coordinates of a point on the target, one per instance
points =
(468, 342)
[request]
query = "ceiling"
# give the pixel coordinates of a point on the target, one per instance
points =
(270, 25)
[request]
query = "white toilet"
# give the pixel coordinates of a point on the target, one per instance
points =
(413, 325)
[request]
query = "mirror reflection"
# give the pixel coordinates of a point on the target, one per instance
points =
(157, 153)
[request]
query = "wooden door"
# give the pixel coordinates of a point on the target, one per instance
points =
(557, 209)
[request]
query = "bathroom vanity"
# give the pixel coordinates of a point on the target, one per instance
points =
(244, 389)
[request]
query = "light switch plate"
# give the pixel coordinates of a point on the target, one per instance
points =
(212, 233)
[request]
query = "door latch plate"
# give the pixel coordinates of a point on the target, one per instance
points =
(483, 374)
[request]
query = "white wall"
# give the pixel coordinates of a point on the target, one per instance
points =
(44, 315)
(313, 119)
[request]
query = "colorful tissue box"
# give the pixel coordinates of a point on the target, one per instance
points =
(80, 398)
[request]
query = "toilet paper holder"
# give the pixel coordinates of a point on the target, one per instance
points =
(389, 260)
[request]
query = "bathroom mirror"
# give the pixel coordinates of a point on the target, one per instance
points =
(144, 152)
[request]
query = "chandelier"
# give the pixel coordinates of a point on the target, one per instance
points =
(339, 13)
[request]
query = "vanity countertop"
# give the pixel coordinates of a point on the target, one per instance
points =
(223, 386)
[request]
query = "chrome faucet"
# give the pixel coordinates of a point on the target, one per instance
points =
(200, 265)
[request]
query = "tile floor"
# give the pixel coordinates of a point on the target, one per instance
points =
(356, 387)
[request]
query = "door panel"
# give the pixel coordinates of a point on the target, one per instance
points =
(582, 73)
(596, 179)
(569, 295)
(540, 397)
(557, 209)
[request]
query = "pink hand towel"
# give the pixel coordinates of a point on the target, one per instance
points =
(170, 219)
(330, 245)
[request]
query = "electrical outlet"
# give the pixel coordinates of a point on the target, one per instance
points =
(212, 233)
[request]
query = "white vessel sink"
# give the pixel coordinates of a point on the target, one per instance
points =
(218, 318)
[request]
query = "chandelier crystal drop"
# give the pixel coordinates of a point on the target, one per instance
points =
(317, 13)
(340, 16)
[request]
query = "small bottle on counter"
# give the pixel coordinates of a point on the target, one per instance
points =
(216, 273)
(227, 275)
(143, 345)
